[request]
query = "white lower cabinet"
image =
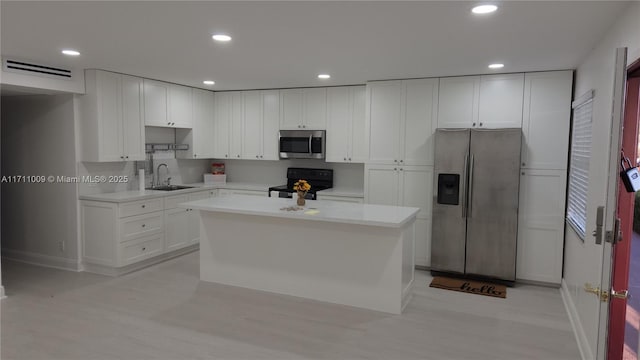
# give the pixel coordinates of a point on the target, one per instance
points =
(404, 186)
(541, 225)
(117, 237)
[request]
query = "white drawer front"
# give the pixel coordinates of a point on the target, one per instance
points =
(140, 249)
(171, 202)
(140, 207)
(141, 225)
(199, 195)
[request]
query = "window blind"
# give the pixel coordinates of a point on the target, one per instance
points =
(579, 164)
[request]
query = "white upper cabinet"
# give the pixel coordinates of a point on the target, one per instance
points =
(222, 125)
(346, 133)
(167, 105)
(400, 121)
(303, 109)
(112, 127)
(252, 138)
(247, 124)
(458, 102)
(180, 106)
(200, 137)
(500, 104)
(488, 101)
(156, 100)
(546, 119)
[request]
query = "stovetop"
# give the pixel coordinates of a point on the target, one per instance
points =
(319, 179)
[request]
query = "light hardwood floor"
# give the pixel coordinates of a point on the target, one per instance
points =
(165, 312)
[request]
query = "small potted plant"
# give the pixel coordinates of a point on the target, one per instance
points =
(301, 187)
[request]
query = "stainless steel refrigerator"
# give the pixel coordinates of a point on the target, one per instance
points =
(475, 203)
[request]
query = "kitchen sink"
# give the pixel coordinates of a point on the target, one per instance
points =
(170, 187)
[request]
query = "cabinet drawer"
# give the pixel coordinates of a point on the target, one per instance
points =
(140, 249)
(171, 202)
(140, 225)
(140, 207)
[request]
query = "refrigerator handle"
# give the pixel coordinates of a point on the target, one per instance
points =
(470, 188)
(464, 185)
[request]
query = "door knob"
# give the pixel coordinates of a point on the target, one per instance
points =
(603, 295)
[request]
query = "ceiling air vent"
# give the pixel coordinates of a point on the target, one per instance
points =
(24, 67)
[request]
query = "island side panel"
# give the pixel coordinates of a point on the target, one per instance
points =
(408, 261)
(348, 264)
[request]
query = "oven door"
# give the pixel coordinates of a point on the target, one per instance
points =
(302, 144)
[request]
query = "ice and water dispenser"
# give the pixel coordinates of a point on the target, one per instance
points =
(448, 189)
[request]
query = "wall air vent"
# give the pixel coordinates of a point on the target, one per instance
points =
(28, 68)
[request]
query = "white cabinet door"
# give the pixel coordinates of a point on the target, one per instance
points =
(222, 125)
(156, 97)
(109, 113)
(193, 232)
(176, 228)
(457, 102)
(180, 107)
(358, 144)
(338, 124)
(203, 131)
(416, 188)
(270, 124)
(541, 225)
(292, 109)
(546, 119)
(132, 118)
(500, 104)
(315, 108)
(381, 185)
(235, 136)
(383, 120)
(252, 134)
(418, 127)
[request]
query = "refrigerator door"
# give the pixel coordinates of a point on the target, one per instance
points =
(450, 178)
(492, 224)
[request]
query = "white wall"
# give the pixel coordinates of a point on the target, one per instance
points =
(38, 219)
(583, 261)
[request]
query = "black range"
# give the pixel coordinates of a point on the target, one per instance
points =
(319, 179)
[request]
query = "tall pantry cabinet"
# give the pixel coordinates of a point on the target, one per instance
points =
(400, 122)
(543, 175)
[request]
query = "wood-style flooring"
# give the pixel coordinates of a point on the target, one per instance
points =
(165, 312)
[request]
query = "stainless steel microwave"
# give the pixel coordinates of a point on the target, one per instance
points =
(302, 144)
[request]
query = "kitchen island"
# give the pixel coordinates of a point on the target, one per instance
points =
(353, 254)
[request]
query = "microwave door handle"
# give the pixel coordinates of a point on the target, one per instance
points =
(310, 140)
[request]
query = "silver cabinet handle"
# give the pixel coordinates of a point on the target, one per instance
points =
(470, 200)
(143, 225)
(143, 206)
(480, 124)
(465, 185)
(349, 159)
(257, 156)
(401, 160)
(304, 126)
(474, 124)
(261, 156)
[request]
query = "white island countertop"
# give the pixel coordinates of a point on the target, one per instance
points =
(316, 210)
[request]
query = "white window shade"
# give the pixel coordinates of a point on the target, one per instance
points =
(579, 164)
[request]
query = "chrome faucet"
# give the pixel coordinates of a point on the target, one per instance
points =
(158, 173)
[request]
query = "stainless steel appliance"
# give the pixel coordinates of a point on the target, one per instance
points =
(475, 207)
(302, 144)
(319, 179)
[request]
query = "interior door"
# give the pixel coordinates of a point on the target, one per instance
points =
(622, 250)
(492, 223)
(611, 211)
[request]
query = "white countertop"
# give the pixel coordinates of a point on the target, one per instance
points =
(343, 192)
(133, 195)
(319, 210)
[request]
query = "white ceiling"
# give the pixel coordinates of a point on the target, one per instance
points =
(286, 44)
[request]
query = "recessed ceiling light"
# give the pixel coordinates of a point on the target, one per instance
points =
(324, 76)
(221, 37)
(496, 66)
(70, 52)
(208, 82)
(484, 9)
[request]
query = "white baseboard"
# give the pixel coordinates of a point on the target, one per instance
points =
(113, 271)
(42, 260)
(576, 324)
